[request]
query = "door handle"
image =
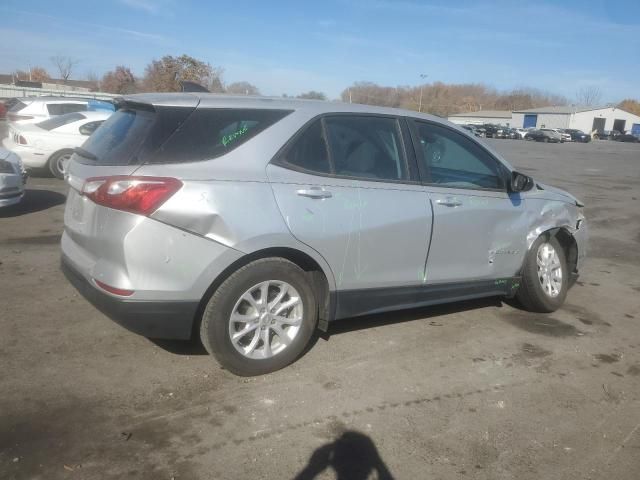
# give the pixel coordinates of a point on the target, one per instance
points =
(449, 202)
(314, 192)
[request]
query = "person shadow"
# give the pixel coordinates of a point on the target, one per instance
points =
(353, 456)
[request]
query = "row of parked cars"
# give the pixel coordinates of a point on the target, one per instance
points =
(42, 133)
(547, 135)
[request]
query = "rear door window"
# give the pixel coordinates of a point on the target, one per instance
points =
(366, 147)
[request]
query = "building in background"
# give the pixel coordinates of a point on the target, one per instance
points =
(585, 119)
(495, 117)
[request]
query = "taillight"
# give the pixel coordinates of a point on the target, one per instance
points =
(22, 140)
(141, 195)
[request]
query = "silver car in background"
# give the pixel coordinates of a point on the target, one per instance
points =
(13, 178)
(251, 222)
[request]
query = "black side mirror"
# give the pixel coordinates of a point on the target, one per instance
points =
(520, 182)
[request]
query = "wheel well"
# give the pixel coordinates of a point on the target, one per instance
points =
(316, 276)
(568, 244)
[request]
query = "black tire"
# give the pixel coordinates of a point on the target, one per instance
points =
(54, 163)
(531, 294)
(214, 328)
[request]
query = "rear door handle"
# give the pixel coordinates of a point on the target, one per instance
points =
(314, 192)
(449, 202)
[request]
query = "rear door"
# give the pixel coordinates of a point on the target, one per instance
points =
(344, 187)
(476, 234)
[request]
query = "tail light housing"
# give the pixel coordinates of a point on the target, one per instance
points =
(140, 195)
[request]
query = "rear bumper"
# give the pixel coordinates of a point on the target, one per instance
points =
(31, 158)
(153, 319)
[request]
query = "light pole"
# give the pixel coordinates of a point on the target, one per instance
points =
(422, 77)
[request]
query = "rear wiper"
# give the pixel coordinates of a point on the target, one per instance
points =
(85, 153)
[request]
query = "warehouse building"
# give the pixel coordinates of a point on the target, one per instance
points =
(495, 117)
(585, 119)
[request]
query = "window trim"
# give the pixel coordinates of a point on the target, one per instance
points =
(425, 173)
(279, 159)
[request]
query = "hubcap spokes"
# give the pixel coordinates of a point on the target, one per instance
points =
(549, 270)
(265, 319)
(63, 161)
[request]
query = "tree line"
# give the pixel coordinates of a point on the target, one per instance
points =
(438, 98)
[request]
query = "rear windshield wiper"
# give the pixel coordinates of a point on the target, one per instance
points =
(85, 153)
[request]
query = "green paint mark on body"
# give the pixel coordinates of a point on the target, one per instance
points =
(227, 139)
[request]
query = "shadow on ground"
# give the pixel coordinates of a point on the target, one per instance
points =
(33, 201)
(353, 456)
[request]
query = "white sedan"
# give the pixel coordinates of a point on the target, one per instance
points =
(50, 143)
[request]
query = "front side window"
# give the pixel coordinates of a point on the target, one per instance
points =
(452, 160)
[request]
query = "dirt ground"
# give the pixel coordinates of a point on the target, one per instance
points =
(476, 390)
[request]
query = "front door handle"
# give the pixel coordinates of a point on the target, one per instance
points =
(314, 192)
(449, 202)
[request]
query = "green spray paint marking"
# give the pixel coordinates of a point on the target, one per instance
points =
(227, 139)
(501, 282)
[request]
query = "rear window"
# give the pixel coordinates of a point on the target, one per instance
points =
(60, 120)
(62, 108)
(210, 133)
(121, 137)
(15, 105)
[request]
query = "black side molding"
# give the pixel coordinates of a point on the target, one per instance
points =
(354, 303)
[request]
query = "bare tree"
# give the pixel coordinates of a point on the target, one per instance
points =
(165, 75)
(120, 80)
(64, 65)
(630, 105)
(589, 96)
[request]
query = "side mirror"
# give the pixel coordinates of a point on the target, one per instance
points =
(520, 182)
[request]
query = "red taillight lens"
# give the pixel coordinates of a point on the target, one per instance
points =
(114, 290)
(141, 195)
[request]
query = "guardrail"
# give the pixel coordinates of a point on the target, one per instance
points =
(10, 91)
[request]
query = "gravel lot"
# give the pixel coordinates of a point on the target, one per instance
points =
(475, 390)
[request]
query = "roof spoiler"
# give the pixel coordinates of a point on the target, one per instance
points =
(192, 87)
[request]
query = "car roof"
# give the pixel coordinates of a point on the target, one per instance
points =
(213, 100)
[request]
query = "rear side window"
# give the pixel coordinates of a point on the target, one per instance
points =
(60, 120)
(209, 133)
(62, 108)
(15, 105)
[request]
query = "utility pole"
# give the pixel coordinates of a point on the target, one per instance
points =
(422, 77)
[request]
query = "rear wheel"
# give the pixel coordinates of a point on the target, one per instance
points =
(261, 318)
(544, 277)
(59, 162)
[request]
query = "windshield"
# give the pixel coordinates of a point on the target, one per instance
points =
(60, 120)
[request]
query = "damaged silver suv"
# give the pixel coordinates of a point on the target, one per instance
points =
(251, 222)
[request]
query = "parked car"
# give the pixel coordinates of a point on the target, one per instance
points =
(50, 143)
(232, 219)
(546, 136)
(605, 134)
(521, 132)
(626, 137)
(491, 131)
(566, 136)
(511, 133)
(36, 109)
(13, 178)
(563, 136)
(474, 131)
(578, 135)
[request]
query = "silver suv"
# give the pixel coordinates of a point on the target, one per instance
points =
(251, 222)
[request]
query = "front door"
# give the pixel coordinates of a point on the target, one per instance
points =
(355, 203)
(476, 234)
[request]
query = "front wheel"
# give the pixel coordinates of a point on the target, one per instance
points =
(544, 277)
(59, 162)
(261, 318)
